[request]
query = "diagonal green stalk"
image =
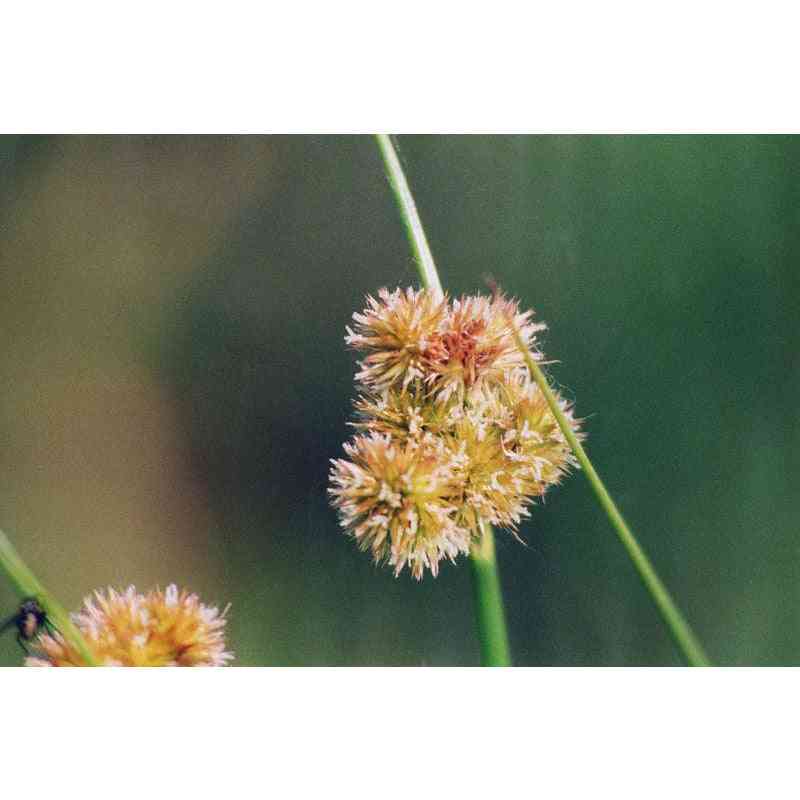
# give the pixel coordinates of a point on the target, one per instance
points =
(675, 621)
(486, 579)
(27, 584)
(428, 273)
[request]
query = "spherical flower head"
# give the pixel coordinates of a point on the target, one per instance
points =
(475, 347)
(160, 629)
(399, 500)
(457, 433)
(395, 331)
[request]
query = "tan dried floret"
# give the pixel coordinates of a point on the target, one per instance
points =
(495, 487)
(398, 500)
(531, 434)
(515, 452)
(409, 414)
(395, 331)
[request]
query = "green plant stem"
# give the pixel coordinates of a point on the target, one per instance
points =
(28, 585)
(486, 580)
(428, 273)
(489, 602)
(677, 624)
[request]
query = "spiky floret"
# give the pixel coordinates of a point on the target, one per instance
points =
(125, 629)
(515, 451)
(495, 486)
(395, 330)
(406, 414)
(399, 501)
(531, 435)
(475, 347)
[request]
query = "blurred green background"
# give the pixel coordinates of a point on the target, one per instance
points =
(174, 381)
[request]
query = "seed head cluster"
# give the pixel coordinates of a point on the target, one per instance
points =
(168, 628)
(451, 429)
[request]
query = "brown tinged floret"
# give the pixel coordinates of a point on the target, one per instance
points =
(475, 346)
(168, 628)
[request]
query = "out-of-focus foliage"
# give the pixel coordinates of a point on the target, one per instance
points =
(174, 381)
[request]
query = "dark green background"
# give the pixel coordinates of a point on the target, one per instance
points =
(174, 381)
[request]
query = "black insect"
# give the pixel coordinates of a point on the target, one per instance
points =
(29, 620)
